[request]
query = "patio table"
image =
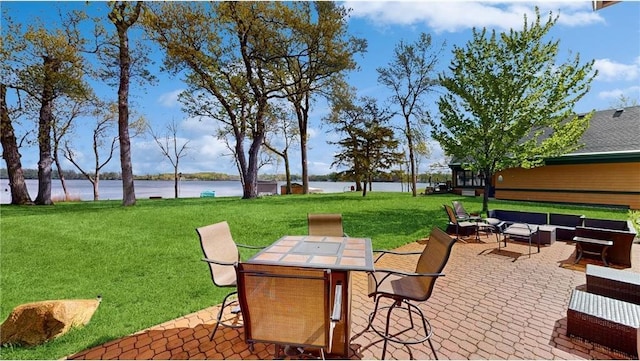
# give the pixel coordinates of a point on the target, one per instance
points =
(339, 254)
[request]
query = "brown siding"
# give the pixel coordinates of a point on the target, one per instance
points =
(601, 183)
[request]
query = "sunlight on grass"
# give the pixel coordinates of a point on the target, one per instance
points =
(145, 260)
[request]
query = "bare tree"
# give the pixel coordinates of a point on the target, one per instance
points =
(283, 133)
(69, 110)
(171, 148)
(102, 135)
(409, 76)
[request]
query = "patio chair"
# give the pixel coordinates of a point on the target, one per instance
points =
(458, 224)
(405, 289)
(325, 224)
(221, 253)
(288, 306)
(462, 214)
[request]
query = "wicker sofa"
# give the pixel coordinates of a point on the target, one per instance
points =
(565, 225)
(511, 217)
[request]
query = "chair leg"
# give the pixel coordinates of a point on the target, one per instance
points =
(386, 329)
(220, 312)
(411, 308)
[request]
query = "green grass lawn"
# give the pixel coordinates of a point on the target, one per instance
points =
(145, 260)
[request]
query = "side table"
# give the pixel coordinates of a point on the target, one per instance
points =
(547, 234)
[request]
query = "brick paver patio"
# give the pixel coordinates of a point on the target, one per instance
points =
(488, 306)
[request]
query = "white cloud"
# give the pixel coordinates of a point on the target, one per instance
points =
(631, 93)
(611, 70)
(454, 16)
(170, 99)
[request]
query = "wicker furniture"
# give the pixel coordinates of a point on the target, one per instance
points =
(607, 321)
(341, 255)
(592, 246)
(547, 234)
(613, 283)
(325, 224)
(565, 225)
(405, 289)
(620, 252)
(221, 253)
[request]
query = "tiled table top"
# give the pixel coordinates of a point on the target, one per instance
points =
(338, 253)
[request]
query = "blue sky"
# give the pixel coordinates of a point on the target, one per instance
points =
(610, 36)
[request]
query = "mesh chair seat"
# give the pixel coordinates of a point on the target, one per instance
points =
(397, 286)
(286, 305)
(221, 254)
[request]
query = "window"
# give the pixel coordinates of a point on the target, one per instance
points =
(467, 178)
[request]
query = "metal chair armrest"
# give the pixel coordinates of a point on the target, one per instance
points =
(384, 251)
(209, 260)
(390, 272)
(249, 246)
(410, 274)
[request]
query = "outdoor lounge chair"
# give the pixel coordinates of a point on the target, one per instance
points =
(460, 225)
(325, 224)
(288, 306)
(462, 214)
(405, 288)
(221, 253)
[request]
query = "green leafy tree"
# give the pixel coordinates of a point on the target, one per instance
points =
(46, 65)
(369, 147)
(410, 76)
(10, 146)
(509, 102)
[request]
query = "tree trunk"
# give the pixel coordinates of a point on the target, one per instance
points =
(128, 190)
(251, 176)
(287, 171)
(303, 123)
(11, 154)
(175, 180)
(63, 182)
(487, 186)
(96, 187)
(412, 160)
(44, 134)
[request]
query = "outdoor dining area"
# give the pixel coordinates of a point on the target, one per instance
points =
(329, 295)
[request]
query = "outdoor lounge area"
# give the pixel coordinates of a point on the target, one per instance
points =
(485, 307)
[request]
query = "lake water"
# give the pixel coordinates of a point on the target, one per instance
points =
(112, 189)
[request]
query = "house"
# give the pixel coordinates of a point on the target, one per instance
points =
(605, 171)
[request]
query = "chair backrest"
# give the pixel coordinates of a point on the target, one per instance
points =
(434, 258)
(217, 244)
(459, 209)
(452, 216)
(284, 305)
(325, 224)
